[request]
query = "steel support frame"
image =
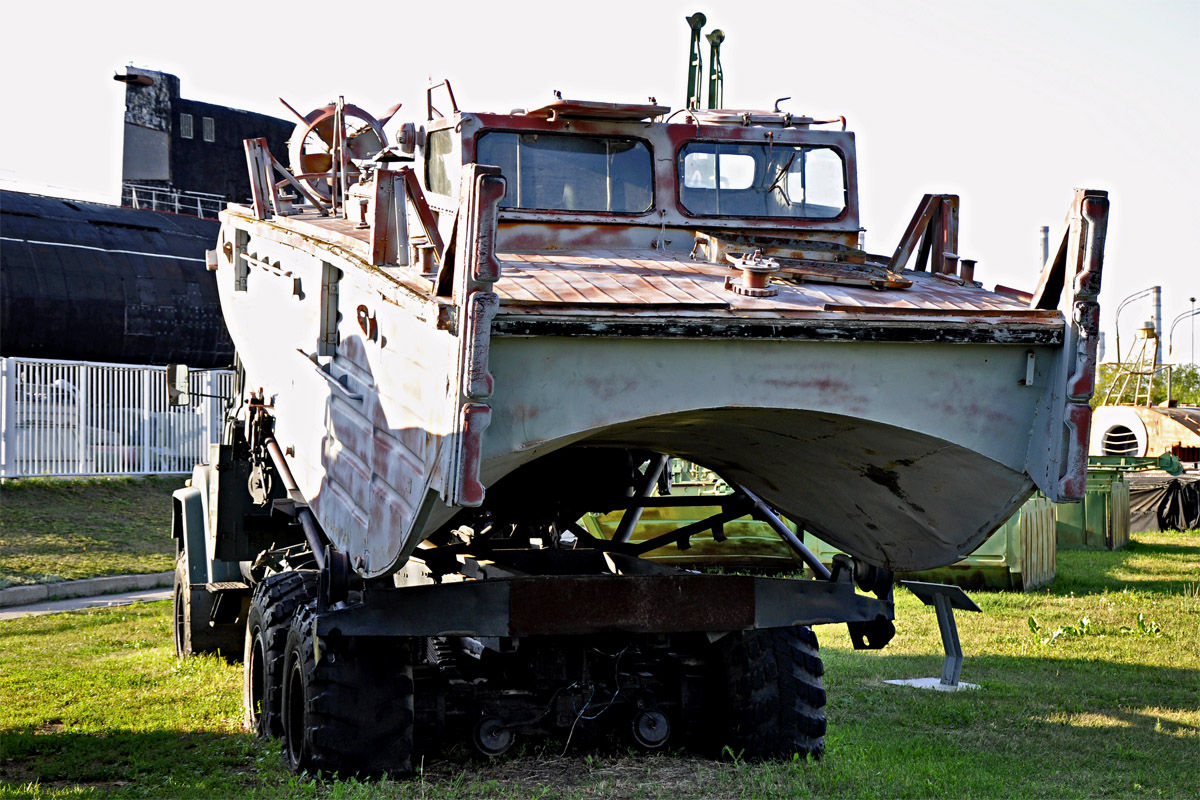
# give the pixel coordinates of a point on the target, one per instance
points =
(633, 514)
(945, 598)
(741, 503)
(952, 666)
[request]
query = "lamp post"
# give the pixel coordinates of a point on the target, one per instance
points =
(1176, 321)
(1125, 302)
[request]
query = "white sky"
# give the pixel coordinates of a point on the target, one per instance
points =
(1008, 104)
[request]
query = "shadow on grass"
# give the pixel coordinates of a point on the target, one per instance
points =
(212, 765)
(1054, 724)
(1158, 549)
(179, 764)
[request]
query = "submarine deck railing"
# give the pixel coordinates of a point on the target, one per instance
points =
(157, 198)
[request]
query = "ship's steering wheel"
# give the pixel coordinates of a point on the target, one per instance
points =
(311, 148)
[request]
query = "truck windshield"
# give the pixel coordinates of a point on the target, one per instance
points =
(571, 173)
(761, 180)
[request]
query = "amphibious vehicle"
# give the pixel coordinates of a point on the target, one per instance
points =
(442, 330)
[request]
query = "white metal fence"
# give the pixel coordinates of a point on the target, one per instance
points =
(66, 418)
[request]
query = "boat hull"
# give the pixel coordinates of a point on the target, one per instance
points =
(905, 455)
(902, 430)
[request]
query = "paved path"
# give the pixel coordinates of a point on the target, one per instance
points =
(76, 603)
(111, 590)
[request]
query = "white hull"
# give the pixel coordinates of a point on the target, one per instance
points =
(900, 426)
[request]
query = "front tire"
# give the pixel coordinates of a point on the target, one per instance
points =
(193, 633)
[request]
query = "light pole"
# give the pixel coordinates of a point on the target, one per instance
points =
(1176, 321)
(1125, 302)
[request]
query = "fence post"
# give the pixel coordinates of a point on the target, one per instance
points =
(8, 421)
(208, 416)
(83, 403)
(145, 462)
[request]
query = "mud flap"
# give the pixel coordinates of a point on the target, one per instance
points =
(189, 528)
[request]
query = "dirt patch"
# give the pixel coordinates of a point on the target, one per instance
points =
(17, 773)
(622, 776)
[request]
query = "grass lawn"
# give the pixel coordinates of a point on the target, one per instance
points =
(60, 530)
(93, 704)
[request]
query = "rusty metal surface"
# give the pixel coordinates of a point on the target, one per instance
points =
(1071, 282)
(567, 604)
(665, 140)
(618, 269)
(376, 510)
(587, 109)
(1187, 417)
(607, 278)
(691, 602)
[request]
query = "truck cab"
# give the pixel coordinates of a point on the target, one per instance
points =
(601, 175)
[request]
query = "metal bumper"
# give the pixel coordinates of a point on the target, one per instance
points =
(574, 605)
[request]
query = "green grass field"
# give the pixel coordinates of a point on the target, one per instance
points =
(60, 530)
(94, 704)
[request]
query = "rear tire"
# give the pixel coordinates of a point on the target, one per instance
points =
(194, 635)
(774, 701)
(272, 608)
(349, 709)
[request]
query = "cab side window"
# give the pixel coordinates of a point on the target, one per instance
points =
(443, 165)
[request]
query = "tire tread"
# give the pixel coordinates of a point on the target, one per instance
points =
(358, 705)
(775, 701)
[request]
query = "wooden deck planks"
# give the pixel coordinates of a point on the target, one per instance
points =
(579, 280)
(604, 278)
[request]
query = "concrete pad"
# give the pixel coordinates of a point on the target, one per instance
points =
(932, 683)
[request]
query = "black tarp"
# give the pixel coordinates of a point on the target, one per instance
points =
(1160, 502)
